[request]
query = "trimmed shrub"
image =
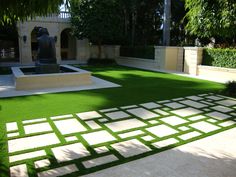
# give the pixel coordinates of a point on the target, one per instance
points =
(220, 57)
(97, 61)
(138, 52)
(230, 88)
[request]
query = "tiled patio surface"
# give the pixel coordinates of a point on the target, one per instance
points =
(82, 143)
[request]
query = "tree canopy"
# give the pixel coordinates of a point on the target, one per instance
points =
(13, 10)
(211, 18)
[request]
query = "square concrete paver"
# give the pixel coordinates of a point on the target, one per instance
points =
(183, 128)
(195, 118)
(227, 123)
(37, 128)
(10, 135)
(204, 126)
(69, 126)
(216, 98)
(164, 143)
(222, 109)
(70, 152)
(175, 105)
(100, 161)
(108, 110)
(162, 130)
(193, 104)
(89, 115)
(186, 112)
(117, 115)
(218, 115)
(31, 142)
(227, 102)
(174, 120)
(12, 126)
(130, 148)
(19, 171)
(98, 137)
(42, 163)
(142, 113)
(125, 125)
(65, 170)
(150, 105)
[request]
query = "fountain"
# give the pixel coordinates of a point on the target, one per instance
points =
(47, 73)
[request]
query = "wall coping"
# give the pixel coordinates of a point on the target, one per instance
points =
(167, 47)
(193, 48)
(217, 68)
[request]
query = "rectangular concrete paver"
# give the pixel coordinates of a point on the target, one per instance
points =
(89, 115)
(186, 112)
(204, 126)
(189, 135)
(218, 115)
(222, 109)
(100, 161)
(34, 121)
(227, 102)
(98, 137)
(102, 149)
(193, 104)
(93, 125)
(130, 134)
(164, 143)
(130, 148)
(125, 125)
(69, 126)
(142, 113)
(108, 110)
(42, 163)
(26, 143)
(19, 171)
(28, 155)
(174, 120)
(150, 105)
(70, 152)
(65, 170)
(162, 130)
(117, 115)
(175, 105)
(62, 117)
(37, 128)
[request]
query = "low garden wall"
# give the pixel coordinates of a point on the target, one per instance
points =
(220, 73)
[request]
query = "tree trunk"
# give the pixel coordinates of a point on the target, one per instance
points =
(166, 24)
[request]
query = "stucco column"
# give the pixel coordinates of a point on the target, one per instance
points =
(82, 51)
(192, 58)
(169, 58)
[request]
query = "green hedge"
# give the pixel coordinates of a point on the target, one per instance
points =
(138, 52)
(220, 57)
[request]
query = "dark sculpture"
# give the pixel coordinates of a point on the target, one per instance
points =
(46, 61)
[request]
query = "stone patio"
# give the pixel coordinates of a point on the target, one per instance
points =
(74, 143)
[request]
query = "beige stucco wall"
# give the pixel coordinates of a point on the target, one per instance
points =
(169, 58)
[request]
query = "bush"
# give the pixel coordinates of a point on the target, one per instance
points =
(220, 57)
(96, 61)
(230, 88)
(138, 52)
(5, 70)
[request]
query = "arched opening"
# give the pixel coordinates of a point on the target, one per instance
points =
(34, 45)
(68, 45)
(9, 43)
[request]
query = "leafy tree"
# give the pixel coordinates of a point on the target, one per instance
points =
(211, 18)
(97, 20)
(13, 10)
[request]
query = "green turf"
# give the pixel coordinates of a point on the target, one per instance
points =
(137, 86)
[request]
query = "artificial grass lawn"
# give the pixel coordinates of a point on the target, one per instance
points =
(138, 86)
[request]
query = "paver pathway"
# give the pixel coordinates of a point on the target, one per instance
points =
(81, 143)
